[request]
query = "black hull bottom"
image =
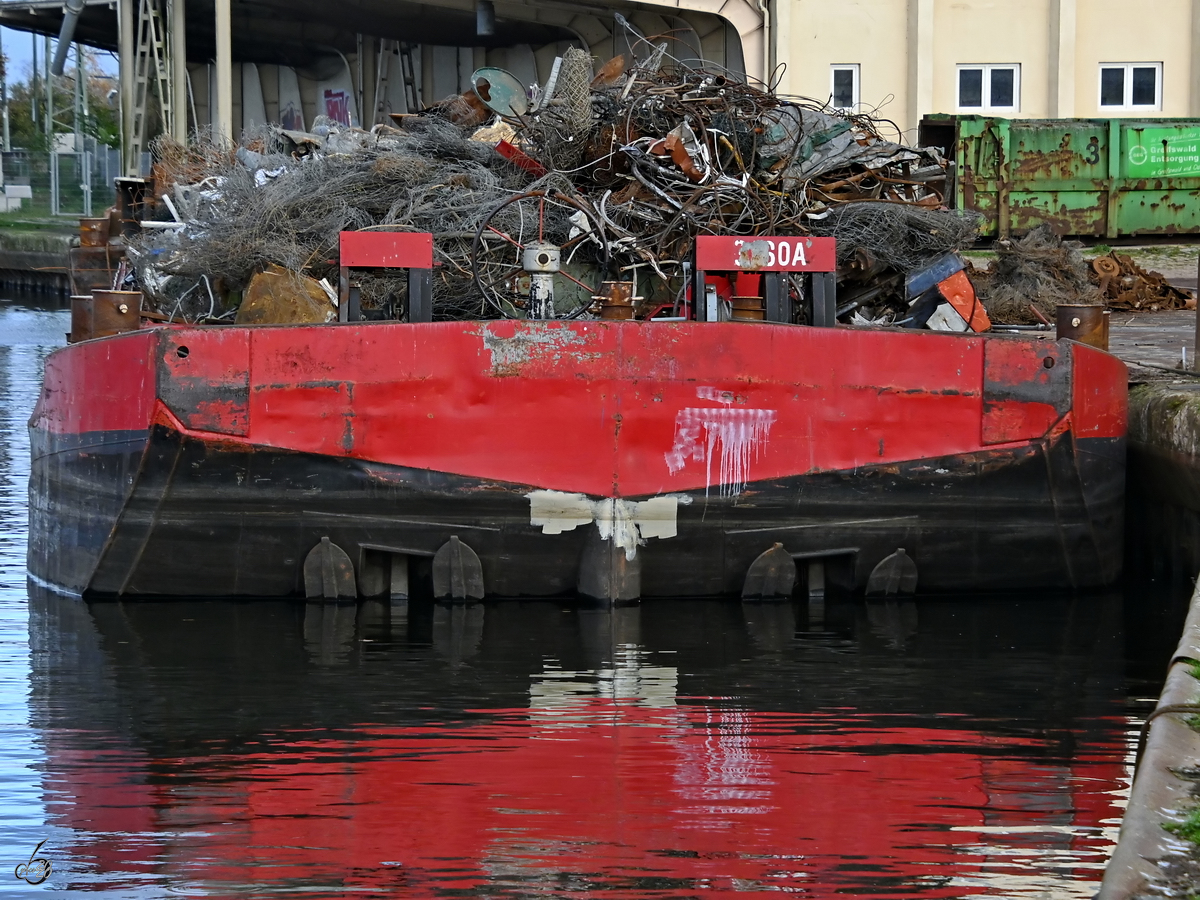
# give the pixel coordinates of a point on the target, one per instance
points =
(176, 516)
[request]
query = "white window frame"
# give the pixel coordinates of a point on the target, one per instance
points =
(854, 70)
(1128, 104)
(986, 69)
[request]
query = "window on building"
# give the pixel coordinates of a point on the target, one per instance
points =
(989, 88)
(1131, 85)
(844, 86)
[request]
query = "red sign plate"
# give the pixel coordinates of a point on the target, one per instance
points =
(387, 249)
(764, 253)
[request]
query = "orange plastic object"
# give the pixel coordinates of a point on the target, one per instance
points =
(959, 293)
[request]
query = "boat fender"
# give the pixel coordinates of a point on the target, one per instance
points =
(329, 574)
(457, 573)
(772, 575)
(895, 574)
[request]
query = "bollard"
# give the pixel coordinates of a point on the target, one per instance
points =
(1086, 324)
(114, 312)
(81, 318)
(93, 232)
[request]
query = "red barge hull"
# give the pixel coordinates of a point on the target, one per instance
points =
(210, 461)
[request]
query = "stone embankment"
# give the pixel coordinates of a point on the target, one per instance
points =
(36, 258)
(1158, 854)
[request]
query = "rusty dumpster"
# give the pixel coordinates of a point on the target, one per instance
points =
(1105, 178)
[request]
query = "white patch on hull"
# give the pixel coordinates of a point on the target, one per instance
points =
(734, 436)
(627, 523)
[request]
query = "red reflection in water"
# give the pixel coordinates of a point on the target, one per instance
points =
(609, 798)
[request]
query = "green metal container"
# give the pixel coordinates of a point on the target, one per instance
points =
(1087, 177)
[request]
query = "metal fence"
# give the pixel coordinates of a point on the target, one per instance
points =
(69, 184)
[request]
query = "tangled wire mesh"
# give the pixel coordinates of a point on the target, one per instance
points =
(1039, 270)
(900, 236)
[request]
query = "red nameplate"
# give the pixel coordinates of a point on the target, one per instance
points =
(725, 253)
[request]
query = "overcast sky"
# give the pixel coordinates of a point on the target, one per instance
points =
(18, 49)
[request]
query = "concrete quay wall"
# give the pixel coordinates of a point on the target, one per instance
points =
(1163, 539)
(1162, 525)
(1150, 859)
(34, 259)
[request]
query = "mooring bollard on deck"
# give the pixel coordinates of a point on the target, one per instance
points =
(1086, 323)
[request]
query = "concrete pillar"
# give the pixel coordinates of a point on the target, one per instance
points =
(369, 51)
(359, 78)
(179, 72)
(425, 76)
(1061, 102)
(224, 72)
(767, 9)
(785, 39)
(920, 62)
(125, 77)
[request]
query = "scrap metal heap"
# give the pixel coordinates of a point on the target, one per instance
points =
(1124, 284)
(1032, 275)
(610, 176)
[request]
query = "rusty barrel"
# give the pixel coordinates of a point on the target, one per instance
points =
(615, 299)
(93, 232)
(81, 318)
(115, 311)
(1087, 324)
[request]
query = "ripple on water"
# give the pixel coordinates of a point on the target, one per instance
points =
(946, 748)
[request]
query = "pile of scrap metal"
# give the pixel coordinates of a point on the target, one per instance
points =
(1126, 285)
(608, 175)
(1034, 274)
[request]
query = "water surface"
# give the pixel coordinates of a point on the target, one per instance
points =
(944, 747)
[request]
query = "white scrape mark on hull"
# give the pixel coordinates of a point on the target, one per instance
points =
(627, 523)
(734, 436)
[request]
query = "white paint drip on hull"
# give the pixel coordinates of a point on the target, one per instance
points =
(734, 436)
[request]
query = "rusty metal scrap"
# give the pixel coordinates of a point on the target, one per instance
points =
(621, 170)
(1126, 285)
(1035, 274)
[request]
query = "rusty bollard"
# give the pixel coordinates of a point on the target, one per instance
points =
(1086, 324)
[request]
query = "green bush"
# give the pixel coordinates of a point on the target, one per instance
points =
(1188, 829)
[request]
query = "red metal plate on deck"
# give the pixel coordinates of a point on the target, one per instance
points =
(723, 253)
(387, 249)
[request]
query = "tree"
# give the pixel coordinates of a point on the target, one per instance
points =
(28, 96)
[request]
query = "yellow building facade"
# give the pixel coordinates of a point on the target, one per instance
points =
(903, 59)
